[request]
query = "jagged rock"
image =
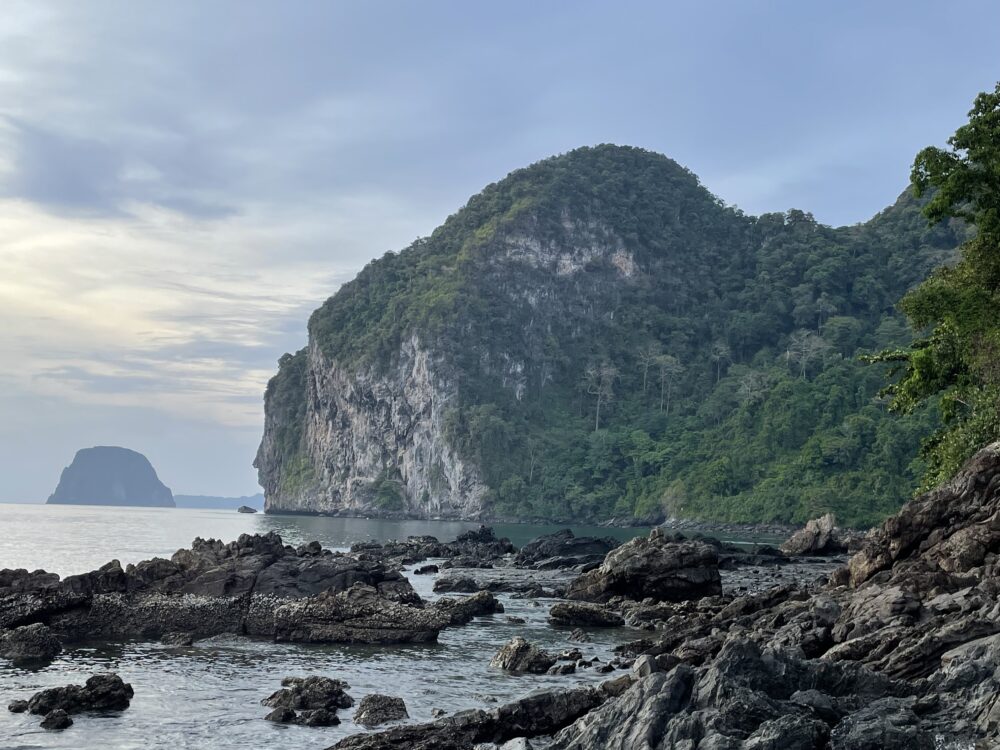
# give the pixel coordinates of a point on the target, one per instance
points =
(461, 611)
(516, 620)
(56, 719)
(538, 714)
(520, 656)
(585, 614)
(459, 585)
(564, 549)
(29, 644)
(657, 567)
(376, 709)
(209, 589)
(17, 706)
(358, 615)
(109, 475)
(578, 636)
(559, 669)
(821, 536)
(425, 570)
(886, 724)
(309, 701)
(102, 692)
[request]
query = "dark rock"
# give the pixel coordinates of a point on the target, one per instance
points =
(209, 589)
(516, 620)
(821, 536)
(102, 692)
(108, 475)
(520, 656)
(538, 714)
(461, 611)
(309, 701)
(18, 706)
(246, 509)
(585, 614)
(461, 585)
(29, 644)
(563, 549)
(376, 709)
(425, 570)
(653, 567)
(358, 615)
(564, 668)
(57, 719)
(579, 636)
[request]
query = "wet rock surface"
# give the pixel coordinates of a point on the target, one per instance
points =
(309, 701)
(375, 710)
(242, 587)
(660, 567)
(822, 536)
(563, 549)
(102, 692)
(520, 656)
(29, 644)
(584, 614)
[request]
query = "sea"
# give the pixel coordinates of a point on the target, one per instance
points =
(209, 695)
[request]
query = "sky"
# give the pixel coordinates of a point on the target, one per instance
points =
(182, 183)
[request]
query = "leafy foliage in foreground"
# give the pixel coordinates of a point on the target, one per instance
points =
(709, 369)
(957, 362)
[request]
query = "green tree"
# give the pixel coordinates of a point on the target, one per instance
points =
(958, 358)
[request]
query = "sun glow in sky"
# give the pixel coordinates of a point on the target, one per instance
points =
(182, 183)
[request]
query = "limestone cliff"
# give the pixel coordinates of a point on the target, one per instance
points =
(597, 336)
(108, 475)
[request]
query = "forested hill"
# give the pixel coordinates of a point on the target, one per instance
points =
(597, 336)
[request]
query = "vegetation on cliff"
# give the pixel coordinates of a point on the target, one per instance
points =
(689, 360)
(957, 361)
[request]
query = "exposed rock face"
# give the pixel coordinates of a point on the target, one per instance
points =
(564, 549)
(538, 714)
(655, 567)
(108, 475)
(29, 644)
(364, 428)
(822, 536)
(520, 656)
(246, 509)
(102, 692)
(376, 709)
(254, 586)
(461, 611)
(309, 701)
(358, 615)
(583, 613)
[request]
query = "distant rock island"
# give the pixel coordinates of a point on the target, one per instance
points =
(109, 475)
(255, 502)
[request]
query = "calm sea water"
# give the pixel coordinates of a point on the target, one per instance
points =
(208, 696)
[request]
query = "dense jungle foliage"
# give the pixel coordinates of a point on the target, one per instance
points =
(690, 360)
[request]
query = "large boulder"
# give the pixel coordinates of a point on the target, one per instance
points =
(564, 549)
(520, 656)
(573, 614)
(658, 567)
(358, 615)
(102, 692)
(375, 710)
(821, 536)
(461, 611)
(309, 701)
(29, 644)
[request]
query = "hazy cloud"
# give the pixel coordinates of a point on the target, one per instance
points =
(181, 184)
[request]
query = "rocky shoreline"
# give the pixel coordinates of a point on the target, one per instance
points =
(895, 646)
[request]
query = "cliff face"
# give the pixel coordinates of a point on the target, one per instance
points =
(373, 443)
(597, 335)
(108, 475)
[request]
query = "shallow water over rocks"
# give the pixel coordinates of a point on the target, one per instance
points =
(208, 695)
